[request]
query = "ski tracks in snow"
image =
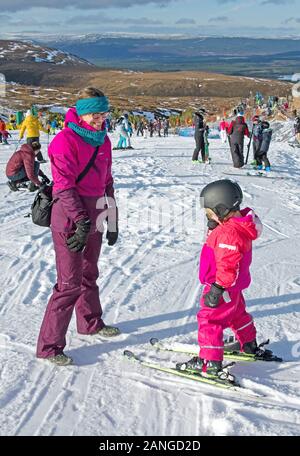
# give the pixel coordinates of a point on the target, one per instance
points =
(149, 286)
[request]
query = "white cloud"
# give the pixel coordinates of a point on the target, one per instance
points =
(17, 5)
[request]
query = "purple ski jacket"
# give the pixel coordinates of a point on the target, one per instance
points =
(69, 154)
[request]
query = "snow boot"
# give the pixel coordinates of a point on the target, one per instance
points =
(259, 167)
(60, 360)
(267, 169)
(13, 186)
(108, 331)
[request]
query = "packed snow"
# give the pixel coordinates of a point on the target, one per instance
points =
(149, 288)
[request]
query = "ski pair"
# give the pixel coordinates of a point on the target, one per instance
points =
(224, 379)
(218, 382)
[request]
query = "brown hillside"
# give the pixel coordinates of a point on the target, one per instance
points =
(47, 76)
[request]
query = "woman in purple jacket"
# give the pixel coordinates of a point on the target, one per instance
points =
(76, 224)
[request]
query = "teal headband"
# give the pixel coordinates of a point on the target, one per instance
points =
(92, 105)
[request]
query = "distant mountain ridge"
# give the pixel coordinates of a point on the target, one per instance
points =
(30, 63)
(265, 57)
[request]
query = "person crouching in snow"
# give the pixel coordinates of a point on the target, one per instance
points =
(22, 167)
(224, 270)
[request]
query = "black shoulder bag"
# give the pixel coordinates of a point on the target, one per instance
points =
(42, 205)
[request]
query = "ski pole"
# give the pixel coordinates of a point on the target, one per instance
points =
(249, 144)
(18, 143)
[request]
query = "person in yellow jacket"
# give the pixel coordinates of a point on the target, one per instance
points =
(32, 126)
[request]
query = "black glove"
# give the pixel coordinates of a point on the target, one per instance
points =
(112, 232)
(45, 179)
(77, 242)
(212, 298)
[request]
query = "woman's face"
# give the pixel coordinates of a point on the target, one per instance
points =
(95, 120)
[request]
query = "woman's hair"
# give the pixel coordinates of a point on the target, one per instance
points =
(90, 92)
(210, 213)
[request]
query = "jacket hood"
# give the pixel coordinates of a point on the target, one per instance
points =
(72, 116)
(240, 120)
(27, 148)
(249, 223)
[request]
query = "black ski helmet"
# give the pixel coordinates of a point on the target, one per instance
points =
(222, 197)
(265, 124)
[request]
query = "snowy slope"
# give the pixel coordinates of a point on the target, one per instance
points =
(149, 287)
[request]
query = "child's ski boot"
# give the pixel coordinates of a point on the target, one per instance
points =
(207, 369)
(260, 353)
(250, 348)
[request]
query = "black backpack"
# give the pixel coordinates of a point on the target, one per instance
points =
(41, 207)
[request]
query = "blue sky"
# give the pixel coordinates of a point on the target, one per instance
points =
(194, 17)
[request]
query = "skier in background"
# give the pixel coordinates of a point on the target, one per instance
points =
(140, 128)
(166, 127)
(151, 128)
(206, 144)
(2, 128)
(256, 136)
(120, 129)
(237, 130)
(5, 135)
(223, 130)
(297, 128)
(127, 130)
(224, 272)
(54, 126)
(199, 124)
(32, 126)
(261, 153)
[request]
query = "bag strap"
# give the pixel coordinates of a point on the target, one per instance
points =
(88, 166)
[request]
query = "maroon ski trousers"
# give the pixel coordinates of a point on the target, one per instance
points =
(76, 288)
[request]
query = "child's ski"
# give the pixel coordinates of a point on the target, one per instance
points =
(196, 377)
(255, 174)
(233, 355)
(191, 375)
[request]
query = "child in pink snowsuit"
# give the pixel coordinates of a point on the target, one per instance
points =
(224, 270)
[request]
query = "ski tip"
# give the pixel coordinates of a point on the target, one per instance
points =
(128, 354)
(153, 341)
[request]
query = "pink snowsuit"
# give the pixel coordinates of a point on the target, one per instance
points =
(77, 273)
(225, 259)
